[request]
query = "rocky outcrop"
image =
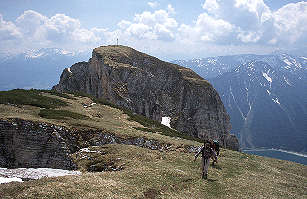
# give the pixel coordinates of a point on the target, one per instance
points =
(153, 88)
(28, 144)
(24, 144)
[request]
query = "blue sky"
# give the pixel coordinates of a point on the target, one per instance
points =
(168, 29)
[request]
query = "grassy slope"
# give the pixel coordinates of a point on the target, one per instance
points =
(147, 173)
(153, 174)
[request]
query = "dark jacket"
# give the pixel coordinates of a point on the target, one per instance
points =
(206, 153)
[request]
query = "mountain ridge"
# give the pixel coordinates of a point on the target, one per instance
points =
(275, 82)
(36, 69)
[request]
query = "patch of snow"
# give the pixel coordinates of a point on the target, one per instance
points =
(267, 77)
(166, 121)
(87, 150)
(7, 180)
(233, 97)
(65, 52)
(287, 62)
(287, 81)
(304, 58)
(212, 61)
(36, 173)
(276, 101)
(34, 55)
(298, 65)
(195, 61)
(287, 67)
(250, 65)
(62, 52)
(88, 105)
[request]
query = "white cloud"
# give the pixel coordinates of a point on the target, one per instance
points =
(211, 6)
(34, 30)
(8, 30)
(223, 27)
(290, 24)
(248, 36)
(84, 35)
(63, 23)
(170, 9)
(153, 4)
(246, 14)
(207, 29)
(141, 31)
(247, 22)
(157, 25)
(30, 22)
(123, 24)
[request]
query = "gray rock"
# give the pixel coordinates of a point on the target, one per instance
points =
(26, 144)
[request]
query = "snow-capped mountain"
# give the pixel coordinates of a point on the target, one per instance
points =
(214, 66)
(265, 96)
(36, 69)
(32, 54)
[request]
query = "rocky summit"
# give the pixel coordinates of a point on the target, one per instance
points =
(153, 88)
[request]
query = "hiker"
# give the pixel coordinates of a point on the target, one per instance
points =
(215, 145)
(206, 153)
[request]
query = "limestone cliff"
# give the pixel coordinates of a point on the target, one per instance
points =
(26, 144)
(154, 88)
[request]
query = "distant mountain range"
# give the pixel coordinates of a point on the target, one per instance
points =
(265, 96)
(36, 69)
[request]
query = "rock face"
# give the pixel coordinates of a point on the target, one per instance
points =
(153, 88)
(24, 144)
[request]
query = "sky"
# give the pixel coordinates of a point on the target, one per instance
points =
(168, 29)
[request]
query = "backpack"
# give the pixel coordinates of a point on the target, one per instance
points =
(207, 151)
(216, 144)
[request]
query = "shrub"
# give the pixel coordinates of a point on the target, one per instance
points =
(53, 92)
(60, 114)
(29, 97)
